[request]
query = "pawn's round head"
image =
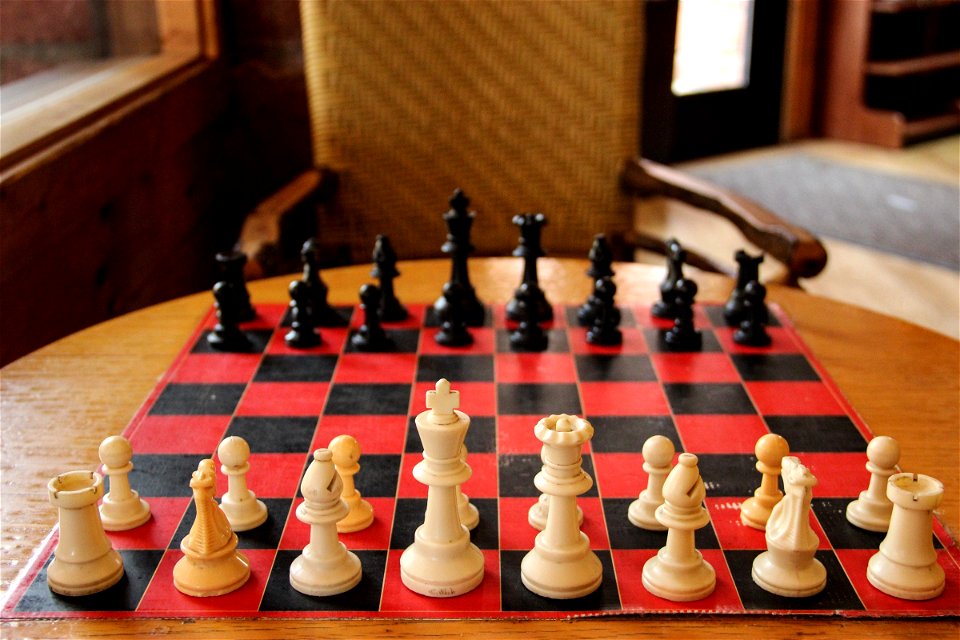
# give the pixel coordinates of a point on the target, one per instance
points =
(658, 451)
(771, 448)
(884, 452)
(115, 451)
(345, 450)
(233, 451)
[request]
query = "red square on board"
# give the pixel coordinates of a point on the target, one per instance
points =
(516, 534)
(271, 475)
(620, 475)
(632, 344)
(534, 367)
(839, 475)
(633, 595)
(268, 316)
(155, 533)
(485, 597)
(623, 399)
(178, 434)
(375, 367)
(793, 398)
(733, 534)
(476, 398)
(515, 434)
(217, 367)
(375, 434)
(283, 399)
(296, 535)
(855, 562)
(780, 342)
(694, 367)
(484, 342)
(161, 596)
(720, 433)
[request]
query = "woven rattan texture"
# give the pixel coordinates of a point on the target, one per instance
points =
(527, 106)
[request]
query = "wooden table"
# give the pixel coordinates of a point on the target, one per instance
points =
(61, 401)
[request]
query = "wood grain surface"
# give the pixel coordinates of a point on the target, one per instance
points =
(58, 403)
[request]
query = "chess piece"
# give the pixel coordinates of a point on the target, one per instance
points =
(325, 567)
(657, 458)
(442, 562)
(906, 565)
(684, 335)
(752, 331)
(231, 265)
(122, 507)
(226, 335)
(606, 316)
(678, 572)
(321, 313)
(666, 306)
(530, 249)
(871, 511)
(453, 326)
(537, 514)
(770, 450)
(748, 270)
(346, 457)
(601, 266)
(469, 515)
(385, 270)
(84, 561)
(302, 334)
(788, 566)
(561, 564)
(459, 220)
(243, 510)
(370, 336)
(211, 564)
(529, 335)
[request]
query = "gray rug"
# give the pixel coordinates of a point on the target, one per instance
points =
(911, 217)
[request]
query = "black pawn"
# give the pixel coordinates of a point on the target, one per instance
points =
(385, 270)
(529, 335)
(231, 270)
(748, 270)
(321, 313)
(370, 336)
(226, 335)
(666, 307)
(530, 249)
(604, 330)
(752, 331)
(684, 335)
(453, 327)
(302, 334)
(601, 266)
(459, 220)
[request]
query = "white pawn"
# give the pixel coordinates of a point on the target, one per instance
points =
(906, 565)
(678, 572)
(346, 454)
(325, 567)
(657, 457)
(789, 567)
(122, 507)
(871, 511)
(243, 510)
(469, 515)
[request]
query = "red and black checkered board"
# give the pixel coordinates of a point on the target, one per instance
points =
(286, 403)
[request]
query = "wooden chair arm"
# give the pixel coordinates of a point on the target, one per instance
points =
(800, 251)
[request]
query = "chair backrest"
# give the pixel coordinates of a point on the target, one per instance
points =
(528, 106)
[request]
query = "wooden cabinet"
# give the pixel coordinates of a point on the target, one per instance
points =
(892, 70)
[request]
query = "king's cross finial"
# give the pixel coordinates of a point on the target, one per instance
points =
(443, 401)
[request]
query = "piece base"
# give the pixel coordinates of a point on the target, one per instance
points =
(336, 580)
(441, 577)
(802, 584)
(132, 520)
(358, 519)
(246, 518)
(642, 517)
(915, 583)
(679, 584)
(223, 576)
(58, 571)
(860, 514)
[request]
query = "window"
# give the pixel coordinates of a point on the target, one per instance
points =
(712, 46)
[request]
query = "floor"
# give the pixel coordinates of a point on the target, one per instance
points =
(917, 292)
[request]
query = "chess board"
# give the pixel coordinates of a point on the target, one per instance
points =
(286, 403)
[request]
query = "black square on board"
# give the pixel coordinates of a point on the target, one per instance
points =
(198, 399)
(518, 470)
(516, 597)
(556, 341)
(832, 515)
(164, 475)
(259, 339)
(838, 595)
(455, 368)
(818, 433)
(627, 434)
(481, 436)
(538, 399)
(285, 368)
(624, 535)
(284, 434)
(281, 596)
(728, 474)
(708, 398)
(409, 514)
(774, 367)
(657, 344)
(368, 399)
(266, 536)
(138, 569)
(615, 368)
(401, 341)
